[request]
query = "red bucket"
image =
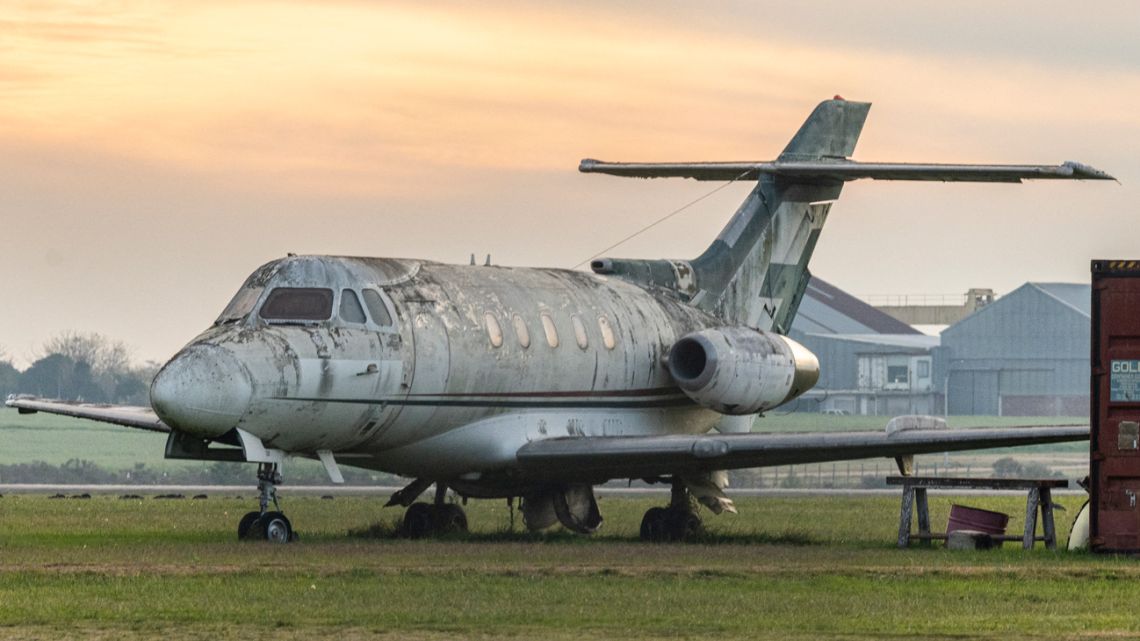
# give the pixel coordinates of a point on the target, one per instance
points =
(972, 518)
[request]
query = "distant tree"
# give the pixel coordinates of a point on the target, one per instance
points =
(104, 355)
(9, 379)
(87, 366)
(1008, 467)
(50, 376)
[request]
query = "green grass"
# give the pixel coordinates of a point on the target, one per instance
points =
(803, 567)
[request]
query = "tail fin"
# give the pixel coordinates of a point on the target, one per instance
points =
(755, 272)
(831, 131)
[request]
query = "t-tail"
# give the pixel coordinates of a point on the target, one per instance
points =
(754, 274)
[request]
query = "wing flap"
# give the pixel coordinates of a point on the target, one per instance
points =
(135, 416)
(845, 170)
(604, 458)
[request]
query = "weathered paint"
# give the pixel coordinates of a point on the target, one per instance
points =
(432, 395)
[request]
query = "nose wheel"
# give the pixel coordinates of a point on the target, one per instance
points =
(267, 525)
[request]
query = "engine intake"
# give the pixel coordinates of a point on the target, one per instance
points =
(739, 370)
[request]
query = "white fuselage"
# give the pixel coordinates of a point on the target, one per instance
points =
(473, 363)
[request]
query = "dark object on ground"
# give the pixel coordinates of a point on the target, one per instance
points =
(970, 540)
(170, 496)
(85, 495)
(199, 497)
(129, 496)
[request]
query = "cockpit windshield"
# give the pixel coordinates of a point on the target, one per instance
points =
(240, 305)
(298, 304)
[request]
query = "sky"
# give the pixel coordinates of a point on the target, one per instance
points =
(153, 154)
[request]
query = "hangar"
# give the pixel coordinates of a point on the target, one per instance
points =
(1026, 354)
(870, 363)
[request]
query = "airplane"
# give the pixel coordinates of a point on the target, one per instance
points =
(536, 383)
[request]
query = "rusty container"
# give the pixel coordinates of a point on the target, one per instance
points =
(1114, 401)
(976, 519)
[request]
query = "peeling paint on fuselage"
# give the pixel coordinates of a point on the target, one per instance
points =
(430, 395)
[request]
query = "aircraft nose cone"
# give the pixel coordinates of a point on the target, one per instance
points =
(204, 390)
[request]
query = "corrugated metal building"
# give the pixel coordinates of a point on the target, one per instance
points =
(1027, 354)
(870, 363)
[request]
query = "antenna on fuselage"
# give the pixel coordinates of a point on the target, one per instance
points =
(487, 263)
(472, 259)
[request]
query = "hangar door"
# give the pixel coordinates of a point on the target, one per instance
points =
(972, 392)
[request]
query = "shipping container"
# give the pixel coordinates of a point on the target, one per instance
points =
(1114, 443)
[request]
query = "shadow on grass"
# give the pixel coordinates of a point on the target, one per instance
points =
(392, 530)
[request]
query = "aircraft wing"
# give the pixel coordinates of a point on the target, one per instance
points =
(844, 170)
(142, 418)
(602, 458)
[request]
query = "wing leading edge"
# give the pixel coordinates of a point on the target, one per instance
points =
(142, 418)
(605, 458)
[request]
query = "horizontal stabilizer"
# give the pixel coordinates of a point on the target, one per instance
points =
(844, 170)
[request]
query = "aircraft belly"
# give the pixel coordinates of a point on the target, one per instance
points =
(490, 444)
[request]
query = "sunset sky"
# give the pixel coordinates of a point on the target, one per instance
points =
(153, 154)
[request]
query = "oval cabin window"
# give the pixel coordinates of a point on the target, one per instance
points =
(580, 332)
(521, 331)
(608, 338)
(550, 329)
(494, 331)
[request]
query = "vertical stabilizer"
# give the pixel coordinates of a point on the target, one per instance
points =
(755, 272)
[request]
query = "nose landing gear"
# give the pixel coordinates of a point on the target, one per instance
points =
(266, 525)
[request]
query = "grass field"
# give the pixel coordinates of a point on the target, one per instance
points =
(804, 567)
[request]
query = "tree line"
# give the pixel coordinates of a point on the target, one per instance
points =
(82, 366)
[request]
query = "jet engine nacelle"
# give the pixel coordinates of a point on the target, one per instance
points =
(739, 370)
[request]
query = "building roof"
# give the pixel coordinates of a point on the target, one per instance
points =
(1075, 295)
(908, 341)
(826, 309)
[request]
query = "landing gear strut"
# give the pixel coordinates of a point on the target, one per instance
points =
(429, 519)
(677, 522)
(266, 525)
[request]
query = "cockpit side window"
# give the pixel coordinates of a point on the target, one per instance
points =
(298, 304)
(377, 308)
(240, 306)
(350, 309)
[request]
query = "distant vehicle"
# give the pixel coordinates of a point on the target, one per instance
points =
(834, 412)
(541, 383)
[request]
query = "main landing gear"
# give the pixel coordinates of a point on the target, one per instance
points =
(430, 519)
(266, 525)
(677, 522)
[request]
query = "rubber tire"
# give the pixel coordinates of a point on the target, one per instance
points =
(246, 524)
(275, 527)
(683, 525)
(449, 518)
(653, 525)
(419, 521)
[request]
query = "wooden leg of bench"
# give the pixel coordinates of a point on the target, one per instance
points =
(1031, 504)
(923, 513)
(1047, 518)
(905, 516)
